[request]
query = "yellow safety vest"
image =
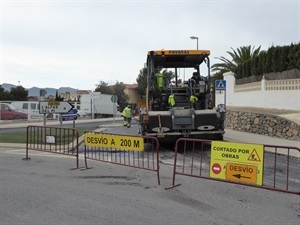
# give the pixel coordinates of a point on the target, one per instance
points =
(171, 100)
(126, 112)
(159, 80)
(193, 99)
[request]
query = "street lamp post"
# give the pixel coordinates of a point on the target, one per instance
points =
(193, 38)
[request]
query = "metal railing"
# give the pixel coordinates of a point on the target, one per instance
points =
(281, 165)
(53, 140)
(146, 158)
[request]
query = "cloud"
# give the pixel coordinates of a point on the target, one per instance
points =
(78, 43)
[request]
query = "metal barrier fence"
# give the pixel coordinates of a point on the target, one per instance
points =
(281, 165)
(122, 150)
(54, 140)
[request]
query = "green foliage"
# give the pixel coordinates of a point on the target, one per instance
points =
(247, 61)
(294, 57)
(5, 95)
(241, 56)
(16, 94)
(116, 89)
(142, 80)
(57, 97)
(104, 88)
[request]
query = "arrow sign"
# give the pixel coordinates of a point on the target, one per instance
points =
(241, 172)
(55, 107)
(239, 176)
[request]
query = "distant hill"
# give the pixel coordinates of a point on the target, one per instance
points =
(7, 86)
(35, 91)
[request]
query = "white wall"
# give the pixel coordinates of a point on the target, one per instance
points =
(287, 98)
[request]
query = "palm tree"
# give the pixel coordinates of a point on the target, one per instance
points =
(239, 57)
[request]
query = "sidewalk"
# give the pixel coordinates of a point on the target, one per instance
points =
(250, 138)
(259, 139)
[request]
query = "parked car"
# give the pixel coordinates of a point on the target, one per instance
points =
(8, 112)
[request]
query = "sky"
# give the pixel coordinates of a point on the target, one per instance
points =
(78, 43)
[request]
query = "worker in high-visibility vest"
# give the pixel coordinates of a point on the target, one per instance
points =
(171, 100)
(160, 81)
(127, 116)
(193, 99)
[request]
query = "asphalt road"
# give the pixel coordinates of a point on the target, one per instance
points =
(45, 191)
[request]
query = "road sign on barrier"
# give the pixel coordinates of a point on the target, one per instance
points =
(216, 168)
(241, 172)
(237, 161)
(113, 141)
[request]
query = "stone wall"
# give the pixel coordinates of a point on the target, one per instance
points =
(262, 124)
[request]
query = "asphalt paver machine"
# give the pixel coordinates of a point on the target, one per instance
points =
(176, 107)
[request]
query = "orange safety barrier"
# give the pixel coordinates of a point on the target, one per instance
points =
(54, 140)
(133, 151)
(280, 165)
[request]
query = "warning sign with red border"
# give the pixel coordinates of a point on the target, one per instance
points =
(248, 157)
